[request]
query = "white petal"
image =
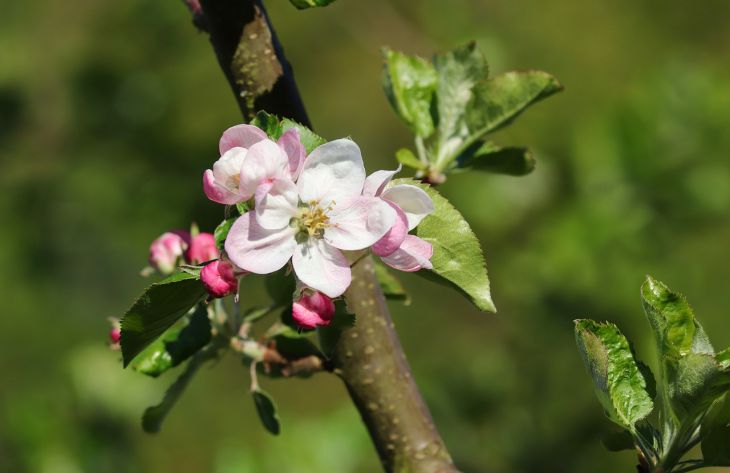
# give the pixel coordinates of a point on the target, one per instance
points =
(322, 267)
(216, 192)
(256, 249)
(332, 172)
(291, 144)
(376, 182)
(276, 203)
(413, 254)
(359, 225)
(412, 200)
(242, 136)
(264, 160)
(227, 170)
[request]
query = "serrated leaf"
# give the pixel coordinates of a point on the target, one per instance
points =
(175, 345)
(154, 416)
(221, 232)
(266, 409)
(715, 434)
(329, 336)
(269, 123)
(304, 4)
(407, 158)
(410, 83)
(161, 305)
(457, 255)
(391, 286)
(618, 381)
(501, 99)
(274, 127)
(486, 156)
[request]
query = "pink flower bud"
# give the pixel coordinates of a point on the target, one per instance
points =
(167, 249)
(202, 248)
(311, 311)
(115, 335)
(219, 279)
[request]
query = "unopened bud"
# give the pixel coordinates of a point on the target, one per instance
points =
(219, 279)
(315, 310)
(167, 249)
(202, 248)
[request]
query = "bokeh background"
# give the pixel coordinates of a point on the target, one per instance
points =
(110, 111)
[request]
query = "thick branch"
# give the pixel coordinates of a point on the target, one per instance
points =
(368, 357)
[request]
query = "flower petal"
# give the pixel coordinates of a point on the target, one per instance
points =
(413, 254)
(412, 200)
(216, 192)
(256, 249)
(359, 225)
(333, 172)
(243, 136)
(392, 240)
(291, 143)
(276, 203)
(264, 160)
(376, 182)
(322, 267)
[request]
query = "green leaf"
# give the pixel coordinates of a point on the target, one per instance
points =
(329, 336)
(715, 433)
(620, 386)
(723, 358)
(221, 231)
(304, 4)
(155, 415)
(410, 83)
(407, 158)
(488, 157)
(391, 286)
(457, 256)
(269, 123)
(280, 286)
(618, 441)
(275, 128)
(499, 100)
(266, 409)
(175, 345)
(695, 381)
(161, 305)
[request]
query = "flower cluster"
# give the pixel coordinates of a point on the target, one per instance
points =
(312, 210)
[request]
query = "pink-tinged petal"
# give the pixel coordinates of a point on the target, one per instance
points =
(322, 267)
(256, 249)
(413, 254)
(333, 172)
(376, 182)
(167, 249)
(412, 200)
(243, 136)
(276, 203)
(312, 311)
(292, 145)
(264, 160)
(218, 193)
(359, 225)
(202, 248)
(218, 279)
(392, 240)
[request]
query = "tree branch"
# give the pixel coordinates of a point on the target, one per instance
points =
(368, 356)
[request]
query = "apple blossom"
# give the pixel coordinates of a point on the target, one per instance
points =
(226, 184)
(312, 311)
(309, 221)
(219, 279)
(412, 204)
(202, 248)
(167, 249)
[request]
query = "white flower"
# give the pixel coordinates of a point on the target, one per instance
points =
(308, 221)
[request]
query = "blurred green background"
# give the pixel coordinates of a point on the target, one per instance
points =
(110, 111)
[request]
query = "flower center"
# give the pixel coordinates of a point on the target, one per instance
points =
(313, 219)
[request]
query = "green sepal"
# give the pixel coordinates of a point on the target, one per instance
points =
(619, 383)
(266, 409)
(156, 310)
(457, 255)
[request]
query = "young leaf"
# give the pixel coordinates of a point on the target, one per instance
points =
(330, 335)
(619, 383)
(501, 99)
(410, 83)
(407, 158)
(716, 434)
(457, 256)
(161, 305)
(269, 123)
(304, 4)
(266, 410)
(221, 231)
(309, 139)
(486, 156)
(391, 286)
